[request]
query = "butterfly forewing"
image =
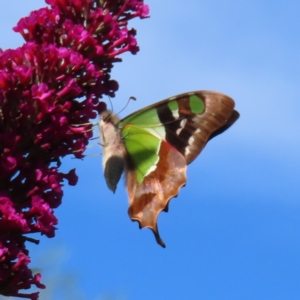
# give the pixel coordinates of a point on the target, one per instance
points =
(187, 121)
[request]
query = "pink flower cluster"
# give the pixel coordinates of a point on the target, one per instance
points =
(49, 90)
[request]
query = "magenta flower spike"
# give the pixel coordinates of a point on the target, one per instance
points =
(48, 85)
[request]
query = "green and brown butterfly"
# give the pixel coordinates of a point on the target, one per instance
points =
(154, 145)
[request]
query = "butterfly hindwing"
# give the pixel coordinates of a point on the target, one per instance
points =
(161, 140)
(150, 196)
(151, 180)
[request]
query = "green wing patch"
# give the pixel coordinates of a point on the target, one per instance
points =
(143, 118)
(143, 148)
(197, 104)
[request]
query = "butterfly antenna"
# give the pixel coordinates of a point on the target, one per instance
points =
(112, 108)
(130, 98)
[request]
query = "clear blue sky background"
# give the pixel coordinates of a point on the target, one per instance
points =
(234, 231)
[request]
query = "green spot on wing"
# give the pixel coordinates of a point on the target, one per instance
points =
(143, 148)
(196, 104)
(173, 105)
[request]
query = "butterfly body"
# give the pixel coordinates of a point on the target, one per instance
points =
(154, 146)
(114, 151)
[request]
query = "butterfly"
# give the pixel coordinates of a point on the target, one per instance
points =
(154, 145)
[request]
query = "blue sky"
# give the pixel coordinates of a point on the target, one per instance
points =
(234, 230)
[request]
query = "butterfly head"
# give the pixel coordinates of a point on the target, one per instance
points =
(108, 116)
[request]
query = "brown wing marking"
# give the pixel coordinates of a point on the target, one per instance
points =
(149, 198)
(218, 116)
(189, 132)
